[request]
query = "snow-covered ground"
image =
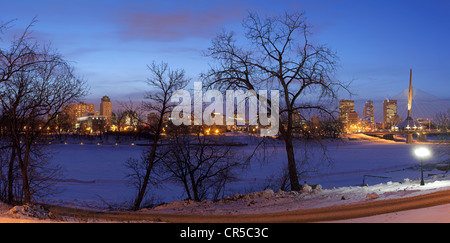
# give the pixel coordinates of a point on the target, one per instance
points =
(95, 177)
(269, 201)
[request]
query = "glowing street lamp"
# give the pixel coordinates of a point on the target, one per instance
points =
(422, 153)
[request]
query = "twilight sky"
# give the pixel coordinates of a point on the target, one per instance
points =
(110, 42)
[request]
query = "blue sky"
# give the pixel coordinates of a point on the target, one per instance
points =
(111, 42)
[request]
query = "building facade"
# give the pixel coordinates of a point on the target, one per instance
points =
(106, 109)
(369, 113)
(74, 111)
(346, 107)
(390, 116)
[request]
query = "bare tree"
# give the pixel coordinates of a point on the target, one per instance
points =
(119, 118)
(128, 115)
(22, 54)
(37, 82)
(202, 164)
(442, 150)
(279, 56)
(164, 82)
(442, 121)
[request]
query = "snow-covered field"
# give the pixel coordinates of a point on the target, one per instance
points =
(95, 177)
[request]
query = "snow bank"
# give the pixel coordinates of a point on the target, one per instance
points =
(269, 201)
(31, 211)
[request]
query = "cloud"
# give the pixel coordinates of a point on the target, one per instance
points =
(176, 25)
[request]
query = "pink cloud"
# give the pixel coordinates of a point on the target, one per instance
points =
(176, 25)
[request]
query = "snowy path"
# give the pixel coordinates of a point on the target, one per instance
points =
(436, 214)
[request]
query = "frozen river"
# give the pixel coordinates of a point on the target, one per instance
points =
(96, 174)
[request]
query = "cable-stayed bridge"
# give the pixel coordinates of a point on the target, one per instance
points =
(412, 105)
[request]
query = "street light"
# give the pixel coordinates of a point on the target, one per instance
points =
(422, 153)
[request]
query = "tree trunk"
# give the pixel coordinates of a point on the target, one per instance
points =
(292, 167)
(142, 190)
(11, 176)
(186, 187)
(24, 172)
(286, 132)
(194, 186)
(151, 161)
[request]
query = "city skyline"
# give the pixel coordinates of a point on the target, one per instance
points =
(110, 43)
(211, 111)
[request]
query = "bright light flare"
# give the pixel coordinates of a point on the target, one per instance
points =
(422, 152)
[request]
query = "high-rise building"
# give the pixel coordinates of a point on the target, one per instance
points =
(352, 117)
(345, 107)
(390, 116)
(347, 114)
(106, 109)
(369, 113)
(74, 111)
